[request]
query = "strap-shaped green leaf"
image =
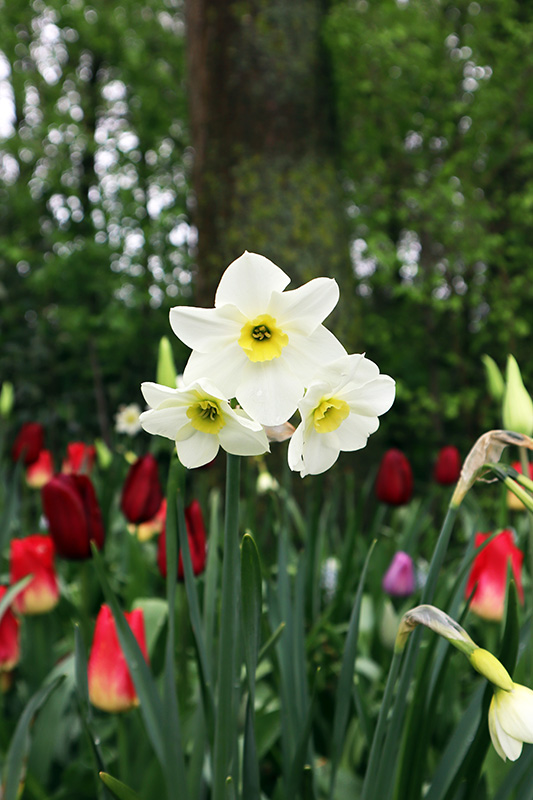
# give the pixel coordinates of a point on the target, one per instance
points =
(119, 789)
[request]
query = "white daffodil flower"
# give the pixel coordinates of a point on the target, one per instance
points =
(200, 420)
(511, 720)
(127, 419)
(260, 344)
(339, 412)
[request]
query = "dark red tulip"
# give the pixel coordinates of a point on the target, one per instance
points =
(141, 495)
(394, 483)
(79, 459)
(9, 638)
(448, 466)
(29, 443)
(34, 555)
(489, 574)
(73, 513)
(197, 543)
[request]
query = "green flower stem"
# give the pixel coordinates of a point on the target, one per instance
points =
(226, 711)
(439, 554)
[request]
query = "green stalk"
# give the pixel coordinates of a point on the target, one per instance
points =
(226, 712)
(524, 461)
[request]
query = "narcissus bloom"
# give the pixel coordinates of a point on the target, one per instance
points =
(127, 419)
(110, 684)
(73, 513)
(448, 466)
(141, 494)
(80, 458)
(9, 638)
(260, 344)
(394, 482)
(339, 412)
(40, 472)
(29, 443)
(489, 574)
(511, 720)
(399, 580)
(196, 535)
(34, 555)
(200, 420)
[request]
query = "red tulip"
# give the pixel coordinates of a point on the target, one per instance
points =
(489, 574)
(40, 472)
(141, 495)
(71, 507)
(34, 555)
(197, 543)
(513, 502)
(9, 638)
(394, 483)
(29, 443)
(80, 458)
(448, 466)
(110, 684)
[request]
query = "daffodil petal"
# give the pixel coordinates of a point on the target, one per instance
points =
(306, 307)
(493, 730)
(221, 367)
(197, 450)
(515, 712)
(295, 450)
(156, 393)
(269, 391)
(306, 355)
(240, 440)
(372, 399)
(320, 452)
(354, 431)
(165, 421)
(206, 329)
(510, 746)
(248, 283)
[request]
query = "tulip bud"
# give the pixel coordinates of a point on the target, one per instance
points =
(40, 472)
(9, 638)
(141, 494)
(28, 443)
(80, 458)
(73, 513)
(448, 466)
(495, 382)
(399, 580)
(517, 404)
(394, 483)
(34, 555)
(166, 369)
(196, 535)
(7, 396)
(111, 687)
(489, 574)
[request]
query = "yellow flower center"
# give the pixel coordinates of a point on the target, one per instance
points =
(262, 340)
(329, 414)
(206, 416)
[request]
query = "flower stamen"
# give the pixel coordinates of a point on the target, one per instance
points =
(262, 340)
(206, 416)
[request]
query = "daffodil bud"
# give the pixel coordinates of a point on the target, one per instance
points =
(6, 399)
(517, 404)
(495, 381)
(491, 669)
(166, 369)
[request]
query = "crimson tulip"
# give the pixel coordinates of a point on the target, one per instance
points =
(40, 472)
(141, 495)
(9, 638)
(196, 535)
(399, 580)
(488, 574)
(79, 459)
(447, 466)
(34, 555)
(111, 686)
(394, 482)
(73, 513)
(29, 443)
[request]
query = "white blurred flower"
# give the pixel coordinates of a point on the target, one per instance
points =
(511, 720)
(266, 483)
(127, 419)
(260, 344)
(200, 420)
(339, 412)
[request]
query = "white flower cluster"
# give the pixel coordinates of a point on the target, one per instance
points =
(267, 349)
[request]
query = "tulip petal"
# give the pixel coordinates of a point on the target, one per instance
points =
(303, 309)
(197, 450)
(206, 329)
(248, 283)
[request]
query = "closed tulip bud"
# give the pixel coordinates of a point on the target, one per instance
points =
(166, 369)
(73, 513)
(517, 404)
(448, 466)
(495, 381)
(40, 472)
(513, 502)
(7, 397)
(196, 535)
(399, 580)
(394, 483)
(489, 574)
(34, 555)
(141, 494)
(80, 459)
(111, 686)
(9, 638)
(29, 443)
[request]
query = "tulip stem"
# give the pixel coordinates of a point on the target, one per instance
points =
(226, 722)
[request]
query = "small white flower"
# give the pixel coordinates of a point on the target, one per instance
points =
(511, 720)
(200, 420)
(339, 412)
(127, 419)
(260, 344)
